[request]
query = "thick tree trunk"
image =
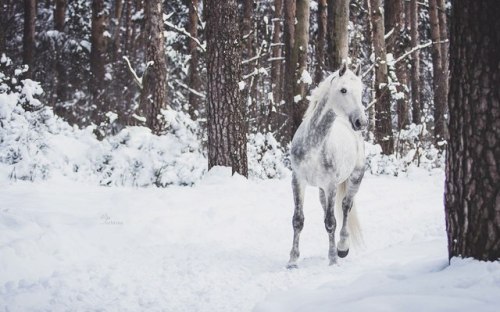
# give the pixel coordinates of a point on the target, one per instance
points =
(226, 123)
(154, 90)
(383, 126)
(194, 76)
(439, 79)
(29, 35)
(320, 41)
(97, 54)
(338, 37)
(472, 196)
(301, 45)
(415, 64)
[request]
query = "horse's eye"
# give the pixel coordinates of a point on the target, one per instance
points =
(343, 90)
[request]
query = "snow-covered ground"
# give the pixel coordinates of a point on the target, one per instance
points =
(223, 244)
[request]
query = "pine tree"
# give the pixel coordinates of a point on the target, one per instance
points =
(472, 195)
(226, 123)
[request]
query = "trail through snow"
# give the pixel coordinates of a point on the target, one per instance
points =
(223, 246)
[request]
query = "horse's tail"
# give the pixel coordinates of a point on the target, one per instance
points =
(353, 225)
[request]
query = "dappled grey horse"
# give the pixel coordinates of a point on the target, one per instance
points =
(328, 152)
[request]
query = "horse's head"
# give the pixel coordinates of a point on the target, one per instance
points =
(345, 96)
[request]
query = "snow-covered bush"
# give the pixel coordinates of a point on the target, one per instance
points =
(265, 157)
(35, 145)
(413, 147)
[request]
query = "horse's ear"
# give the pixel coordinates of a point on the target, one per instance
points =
(357, 70)
(342, 69)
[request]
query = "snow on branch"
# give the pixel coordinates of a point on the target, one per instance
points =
(182, 31)
(137, 79)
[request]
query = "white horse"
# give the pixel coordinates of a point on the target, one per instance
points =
(328, 152)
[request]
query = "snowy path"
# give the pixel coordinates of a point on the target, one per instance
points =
(223, 245)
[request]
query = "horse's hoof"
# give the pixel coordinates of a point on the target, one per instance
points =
(342, 253)
(292, 266)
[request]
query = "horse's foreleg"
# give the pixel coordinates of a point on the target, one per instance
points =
(331, 223)
(351, 188)
(298, 219)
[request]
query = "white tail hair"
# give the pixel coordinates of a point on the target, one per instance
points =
(353, 226)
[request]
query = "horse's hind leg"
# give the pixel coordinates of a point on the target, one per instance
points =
(351, 188)
(298, 219)
(330, 222)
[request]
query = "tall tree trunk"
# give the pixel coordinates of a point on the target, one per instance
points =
(320, 41)
(472, 195)
(277, 63)
(395, 23)
(415, 64)
(369, 36)
(290, 65)
(97, 57)
(439, 83)
(194, 76)
(338, 39)
(227, 143)
(29, 35)
(248, 33)
(59, 23)
(443, 33)
(301, 45)
(383, 126)
(60, 15)
(118, 22)
(154, 90)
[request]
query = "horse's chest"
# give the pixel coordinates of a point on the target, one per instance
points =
(334, 159)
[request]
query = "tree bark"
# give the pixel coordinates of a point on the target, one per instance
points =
(415, 64)
(97, 53)
(301, 45)
(395, 23)
(472, 194)
(154, 90)
(320, 41)
(59, 23)
(290, 65)
(60, 15)
(439, 83)
(338, 43)
(443, 33)
(194, 76)
(226, 124)
(29, 35)
(116, 35)
(277, 63)
(383, 126)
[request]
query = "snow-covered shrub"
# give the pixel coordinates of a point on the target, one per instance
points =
(35, 145)
(265, 157)
(413, 147)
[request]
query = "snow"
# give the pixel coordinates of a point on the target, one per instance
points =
(222, 245)
(305, 77)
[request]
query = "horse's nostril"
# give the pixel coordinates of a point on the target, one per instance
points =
(357, 123)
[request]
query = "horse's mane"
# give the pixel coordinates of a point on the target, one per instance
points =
(319, 93)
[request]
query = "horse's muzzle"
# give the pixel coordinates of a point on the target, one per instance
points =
(358, 122)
